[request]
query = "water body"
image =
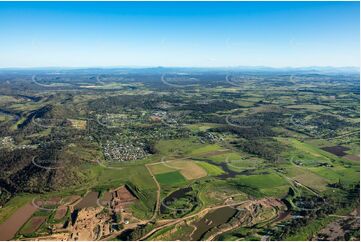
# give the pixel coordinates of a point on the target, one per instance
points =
(173, 197)
(211, 220)
(16, 116)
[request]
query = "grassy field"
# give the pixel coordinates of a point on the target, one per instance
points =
(188, 168)
(170, 178)
(14, 204)
(178, 146)
(268, 184)
(206, 149)
(307, 178)
(225, 156)
(307, 148)
(201, 126)
(311, 107)
(212, 170)
(160, 168)
(220, 162)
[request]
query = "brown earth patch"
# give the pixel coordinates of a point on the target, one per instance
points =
(71, 199)
(107, 196)
(33, 224)
(78, 124)
(9, 228)
(352, 157)
(188, 168)
(60, 212)
(90, 200)
(122, 194)
(122, 198)
(336, 150)
(54, 201)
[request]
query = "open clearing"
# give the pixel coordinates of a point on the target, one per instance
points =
(90, 200)
(160, 168)
(9, 228)
(188, 168)
(60, 212)
(33, 224)
(211, 169)
(269, 184)
(78, 124)
(170, 178)
(147, 157)
(308, 178)
(311, 107)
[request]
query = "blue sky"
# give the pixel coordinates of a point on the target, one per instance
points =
(277, 34)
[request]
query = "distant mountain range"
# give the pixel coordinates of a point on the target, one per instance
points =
(160, 69)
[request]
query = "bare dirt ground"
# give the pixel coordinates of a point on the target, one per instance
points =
(251, 206)
(252, 213)
(339, 229)
(34, 224)
(9, 228)
(86, 224)
(89, 200)
(188, 168)
(60, 212)
(78, 124)
(352, 157)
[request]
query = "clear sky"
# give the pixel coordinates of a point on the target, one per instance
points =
(277, 34)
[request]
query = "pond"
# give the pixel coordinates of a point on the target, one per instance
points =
(211, 220)
(178, 195)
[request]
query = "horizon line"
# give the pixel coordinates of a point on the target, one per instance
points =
(162, 66)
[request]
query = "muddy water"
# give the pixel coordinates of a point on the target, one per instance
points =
(9, 228)
(90, 200)
(211, 220)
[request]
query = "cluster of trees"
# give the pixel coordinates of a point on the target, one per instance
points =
(269, 149)
(246, 188)
(255, 134)
(137, 233)
(179, 203)
(245, 132)
(35, 114)
(317, 208)
(114, 104)
(211, 107)
(322, 125)
(19, 174)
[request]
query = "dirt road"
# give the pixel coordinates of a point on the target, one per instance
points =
(157, 205)
(204, 211)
